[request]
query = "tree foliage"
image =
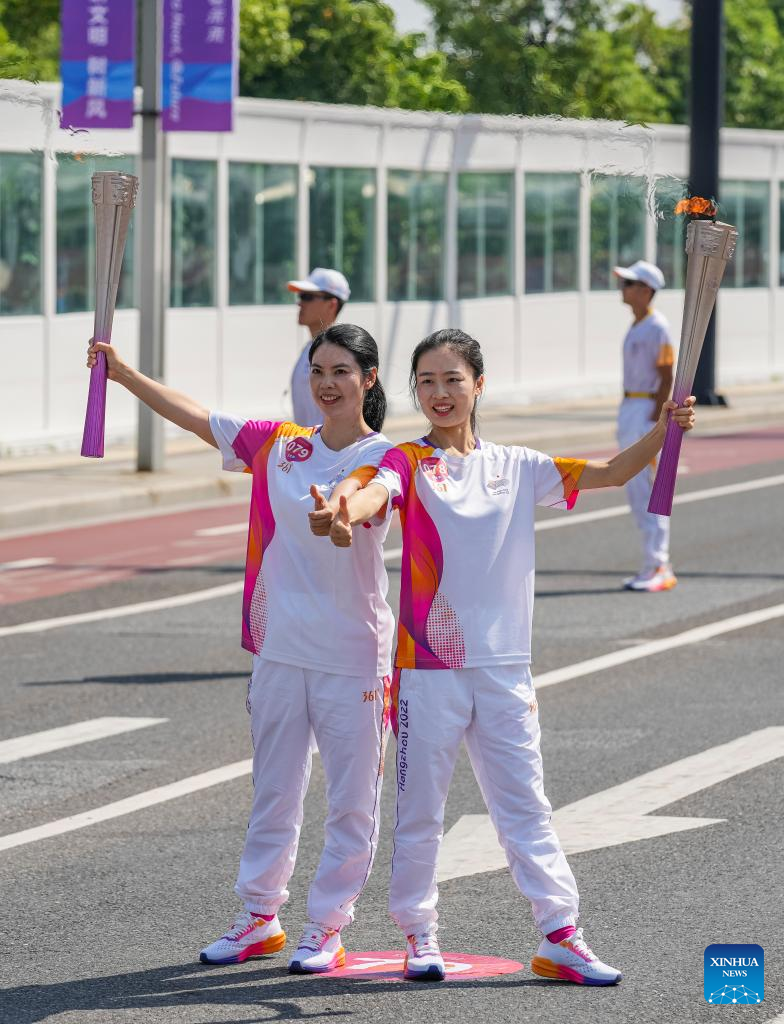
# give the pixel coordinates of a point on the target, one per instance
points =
(576, 58)
(30, 40)
(573, 58)
(345, 51)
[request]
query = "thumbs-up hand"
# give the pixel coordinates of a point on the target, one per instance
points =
(340, 532)
(322, 515)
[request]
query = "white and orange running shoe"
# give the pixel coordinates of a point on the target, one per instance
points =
(319, 950)
(572, 960)
(423, 960)
(651, 581)
(249, 936)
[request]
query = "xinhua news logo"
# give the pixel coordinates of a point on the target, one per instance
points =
(734, 973)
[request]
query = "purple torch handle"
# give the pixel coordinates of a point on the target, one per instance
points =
(113, 197)
(95, 416)
(664, 485)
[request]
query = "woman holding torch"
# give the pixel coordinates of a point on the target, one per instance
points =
(320, 631)
(463, 653)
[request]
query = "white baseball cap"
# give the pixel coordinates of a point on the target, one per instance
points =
(320, 279)
(643, 271)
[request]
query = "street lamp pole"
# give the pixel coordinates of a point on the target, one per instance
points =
(153, 243)
(706, 114)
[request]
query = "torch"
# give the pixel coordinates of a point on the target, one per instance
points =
(114, 195)
(709, 247)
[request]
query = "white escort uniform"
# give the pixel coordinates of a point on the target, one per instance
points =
(646, 347)
(306, 411)
(463, 664)
(320, 630)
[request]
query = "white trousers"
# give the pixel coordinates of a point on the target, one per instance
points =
(634, 422)
(346, 714)
(495, 711)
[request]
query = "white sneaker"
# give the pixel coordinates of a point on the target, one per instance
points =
(319, 950)
(249, 936)
(572, 960)
(423, 960)
(652, 580)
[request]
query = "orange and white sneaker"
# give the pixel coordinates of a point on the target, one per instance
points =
(249, 936)
(572, 960)
(651, 581)
(319, 950)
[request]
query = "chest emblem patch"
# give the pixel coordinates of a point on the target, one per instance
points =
(298, 449)
(435, 469)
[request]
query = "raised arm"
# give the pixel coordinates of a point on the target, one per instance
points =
(357, 509)
(171, 404)
(632, 460)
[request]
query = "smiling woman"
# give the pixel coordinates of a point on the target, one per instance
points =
(292, 579)
(464, 646)
(344, 365)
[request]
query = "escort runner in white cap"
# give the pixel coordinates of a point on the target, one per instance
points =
(464, 646)
(647, 379)
(321, 296)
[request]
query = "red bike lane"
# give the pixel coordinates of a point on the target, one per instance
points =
(84, 557)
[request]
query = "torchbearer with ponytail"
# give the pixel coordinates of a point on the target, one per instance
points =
(320, 631)
(464, 646)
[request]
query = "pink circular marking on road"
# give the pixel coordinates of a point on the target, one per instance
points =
(388, 964)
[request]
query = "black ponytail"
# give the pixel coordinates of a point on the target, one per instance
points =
(362, 346)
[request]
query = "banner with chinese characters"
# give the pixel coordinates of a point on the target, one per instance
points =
(199, 65)
(97, 68)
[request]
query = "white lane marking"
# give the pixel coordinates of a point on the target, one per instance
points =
(219, 531)
(132, 803)
(679, 499)
(597, 514)
(233, 588)
(622, 814)
(25, 563)
(667, 643)
(226, 589)
(40, 625)
(70, 735)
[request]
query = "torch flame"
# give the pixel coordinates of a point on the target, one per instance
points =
(697, 206)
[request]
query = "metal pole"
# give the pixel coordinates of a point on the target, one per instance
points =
(154, 245)
(706, 114)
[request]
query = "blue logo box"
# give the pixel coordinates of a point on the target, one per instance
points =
(734, 973)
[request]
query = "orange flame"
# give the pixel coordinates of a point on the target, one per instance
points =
(696, 206)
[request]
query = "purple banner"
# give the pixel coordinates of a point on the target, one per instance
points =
(199, 65)
(97, 67)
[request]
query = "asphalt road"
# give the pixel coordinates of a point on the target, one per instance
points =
(104, 923)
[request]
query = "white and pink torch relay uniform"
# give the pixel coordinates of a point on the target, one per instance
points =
(320, 630)
(463, 664)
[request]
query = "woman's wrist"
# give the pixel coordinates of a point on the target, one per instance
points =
(123, 374)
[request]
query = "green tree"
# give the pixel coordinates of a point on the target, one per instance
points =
(30, 40)
(266, 42)
(344, 51)
(754, 79)
(576, 58)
